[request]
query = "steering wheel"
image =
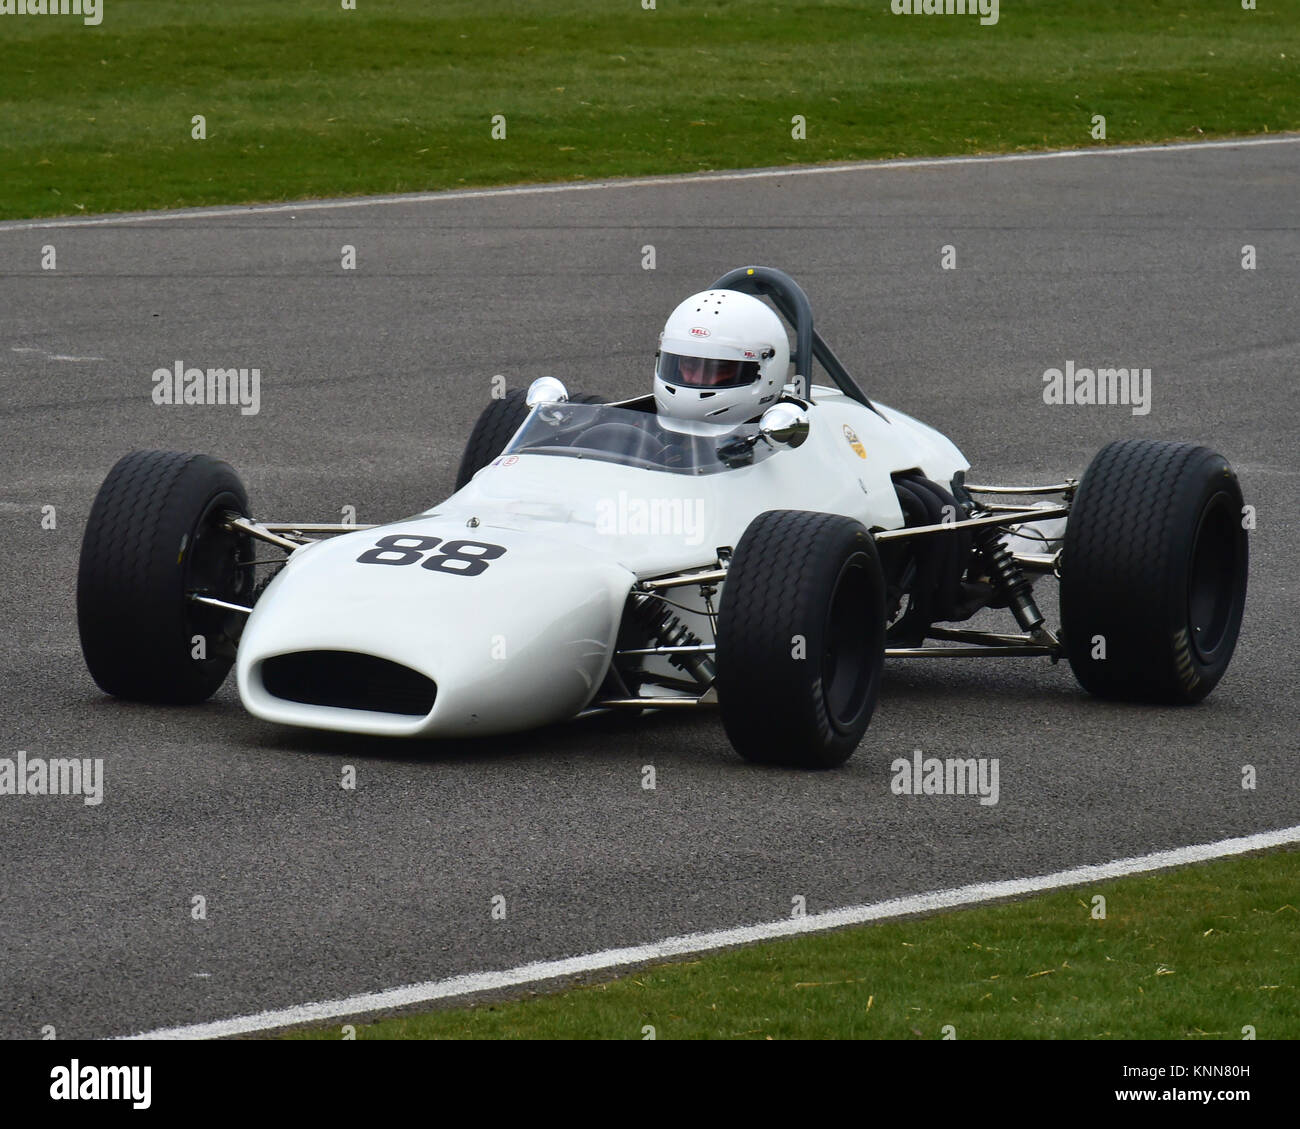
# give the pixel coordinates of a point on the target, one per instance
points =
(623, 439)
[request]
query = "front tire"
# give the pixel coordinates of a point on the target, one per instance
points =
(801, 639)
(155, 534)
(1153, 572)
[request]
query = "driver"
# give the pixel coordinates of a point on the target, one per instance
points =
(723, 358)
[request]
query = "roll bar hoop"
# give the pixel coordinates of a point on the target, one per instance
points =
(793, 305)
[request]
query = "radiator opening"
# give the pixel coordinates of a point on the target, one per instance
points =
(350, 681)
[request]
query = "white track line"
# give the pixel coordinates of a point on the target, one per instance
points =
(641, 182)
(719, 939)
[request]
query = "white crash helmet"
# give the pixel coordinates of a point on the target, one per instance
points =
(723, 358)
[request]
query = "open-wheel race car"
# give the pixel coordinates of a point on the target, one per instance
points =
(743, 538)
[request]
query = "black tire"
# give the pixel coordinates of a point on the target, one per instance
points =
(1154, 564)
(154, 535)
(494, 428)
(811, 575)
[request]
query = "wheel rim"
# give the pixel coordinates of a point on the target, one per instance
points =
(213, 568)
(1214, 581)
(846, 656)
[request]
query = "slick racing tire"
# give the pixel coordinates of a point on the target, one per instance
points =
(155, 535)
(1153, 572)
(496, 426)
(801, 639)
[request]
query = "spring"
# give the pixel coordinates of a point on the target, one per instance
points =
(1007, 577)
(666, 630)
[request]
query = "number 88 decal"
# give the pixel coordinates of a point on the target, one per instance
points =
(463, 558)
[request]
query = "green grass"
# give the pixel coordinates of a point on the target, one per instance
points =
(1197, 953)
(303, 98)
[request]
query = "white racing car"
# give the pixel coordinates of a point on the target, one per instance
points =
(742, 537)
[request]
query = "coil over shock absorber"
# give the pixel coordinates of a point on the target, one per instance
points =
(658, 621)
(1008, 579)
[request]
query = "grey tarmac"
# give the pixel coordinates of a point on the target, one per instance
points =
(370, 382)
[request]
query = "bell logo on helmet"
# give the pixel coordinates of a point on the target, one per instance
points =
(699, 331)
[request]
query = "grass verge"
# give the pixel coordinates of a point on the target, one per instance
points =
(303, 98)
(1197, 953)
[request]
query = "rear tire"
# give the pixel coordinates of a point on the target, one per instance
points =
(495, 427)
(154, 535)
(1153, 572)
(801, 639)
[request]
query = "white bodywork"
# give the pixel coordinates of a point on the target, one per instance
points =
(528, 639)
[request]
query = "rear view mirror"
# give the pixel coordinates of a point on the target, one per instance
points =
(546, 390)
(785, 425)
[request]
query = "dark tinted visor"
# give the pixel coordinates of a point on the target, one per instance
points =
(705, 372)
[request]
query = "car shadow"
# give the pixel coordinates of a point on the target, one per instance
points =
(593, 735)
(957, 680)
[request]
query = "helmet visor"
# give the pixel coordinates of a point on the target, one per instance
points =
(705, 372)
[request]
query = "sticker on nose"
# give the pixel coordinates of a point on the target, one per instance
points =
(855, 442)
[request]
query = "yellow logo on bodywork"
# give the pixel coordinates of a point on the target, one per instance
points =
(855, 442)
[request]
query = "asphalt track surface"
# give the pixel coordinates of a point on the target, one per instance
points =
(371, 381)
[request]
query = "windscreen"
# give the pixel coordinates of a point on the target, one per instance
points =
(633, 438)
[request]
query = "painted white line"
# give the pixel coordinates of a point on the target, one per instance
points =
(718, 939)
(641, 182)
(56, 356)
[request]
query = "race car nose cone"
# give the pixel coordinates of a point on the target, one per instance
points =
(416, 630)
